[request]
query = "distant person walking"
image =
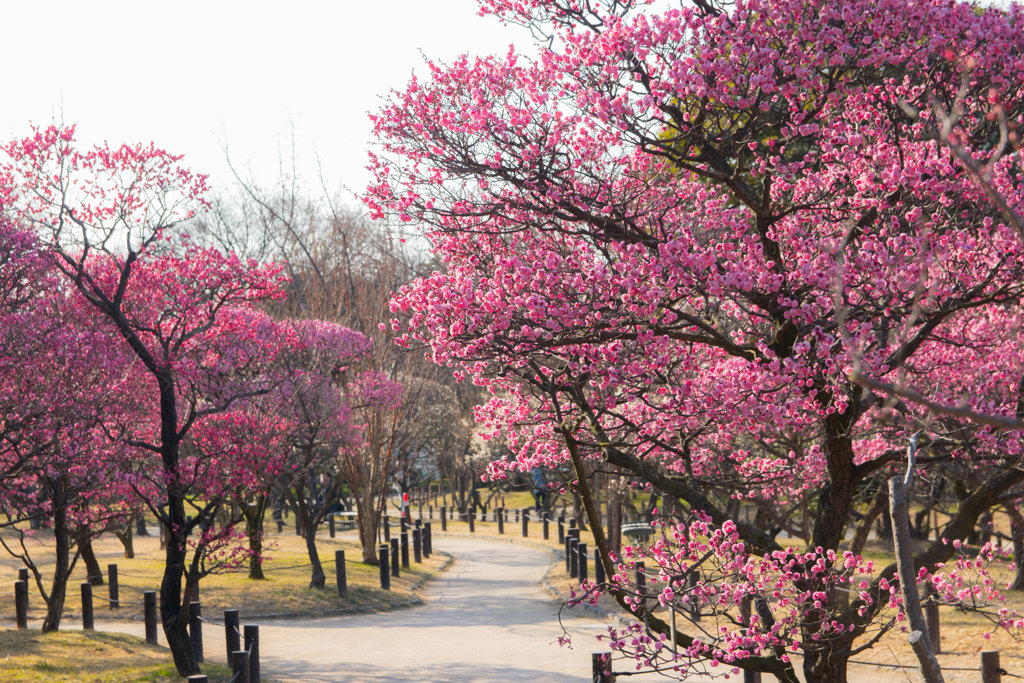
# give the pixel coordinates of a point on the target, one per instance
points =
(540, 488)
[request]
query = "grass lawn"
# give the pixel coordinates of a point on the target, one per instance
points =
(88, 657)
(285, 591)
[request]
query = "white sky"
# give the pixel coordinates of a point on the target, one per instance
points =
(189, 75)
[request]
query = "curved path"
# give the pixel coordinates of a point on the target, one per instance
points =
(487, 618)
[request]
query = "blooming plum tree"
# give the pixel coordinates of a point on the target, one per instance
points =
(186, 314)
(683, 242)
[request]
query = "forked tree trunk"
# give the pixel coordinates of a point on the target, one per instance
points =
(254, 514)
(125, 536)
(92, 565)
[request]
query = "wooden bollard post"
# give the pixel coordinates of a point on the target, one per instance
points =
(745, 614)
(470, 516)
(547, 532)
(599, 668)
(251, 643)
(387, 529)
(561, 529)
(21, 603)
(574, 565)
(427, 549)
(417, 546)
(112, 587)
(231, 635)
(694, 604)
(198, 678)
(385, 576)
(581, 551)
(149, 615)
(641, 584)
(88, 624)
(339, 572)
(23, 574)
(517, 514)
(598, 567)
(568, 560)
(405, 549)
(330, 525)
(990, 671)
(394, 557)
(931, 617)
(195, 630)
(501, 520)
(240, 666)
(444, 519)
(430, 512)
(526, 523)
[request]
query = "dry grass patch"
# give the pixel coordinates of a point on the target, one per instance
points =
(88, 657)
(285, 591)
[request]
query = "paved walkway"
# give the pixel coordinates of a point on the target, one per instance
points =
(487, 618)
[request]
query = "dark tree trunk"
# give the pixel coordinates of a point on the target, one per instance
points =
(1017, 535)
(125, 536)
(308, 520)
(92, 565)
(62, 562)
(254, 513)
(878, 506)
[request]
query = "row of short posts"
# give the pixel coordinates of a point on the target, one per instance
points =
(394, 555)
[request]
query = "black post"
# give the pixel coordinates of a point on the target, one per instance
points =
(115, 601)
(240, 666)
(430, 512)
(581, 550)
(231, 636)
(405, 549)
(641, 584)
(547, 533)
(417, 546)
(195, 630)
(526, 523)
(694, 604)
(748, 675)
(280, 526)
(149, 614)
(330, 525)
(385, 578)
(568, 561)
(598, 667)
(501, 520)
(471, 517)
(21, 603)
(23, 574)
(198, 678)
(561, 529)
(87, 618)
(427, 549)
(251, 633)
(574, 565)
(394, 557)
(990, 669)
(598, 567)
(387, 529)
(339, 571)
(444, 519)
